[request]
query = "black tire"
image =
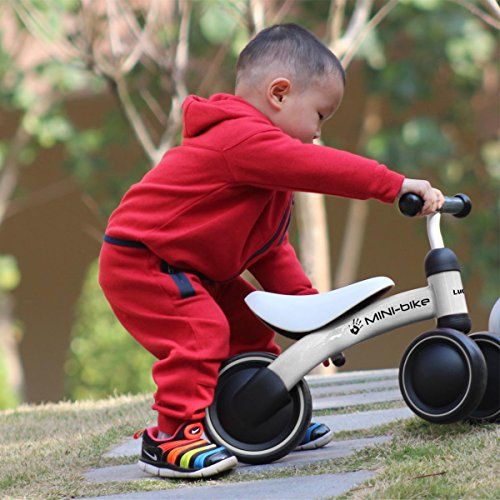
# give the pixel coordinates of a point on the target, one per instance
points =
(442, 376)
(265, 442)
(488, 409)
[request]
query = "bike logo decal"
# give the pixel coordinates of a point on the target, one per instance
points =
(356, 326)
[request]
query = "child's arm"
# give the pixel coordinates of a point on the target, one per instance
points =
(279, 271)
(274, 160)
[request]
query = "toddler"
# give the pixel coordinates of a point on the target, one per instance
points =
(219, 204)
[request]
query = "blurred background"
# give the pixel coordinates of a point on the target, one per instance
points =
(90, 95)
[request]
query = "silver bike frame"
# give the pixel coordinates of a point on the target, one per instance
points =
(443, 295)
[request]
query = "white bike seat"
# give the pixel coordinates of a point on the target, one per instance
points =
(304, 313)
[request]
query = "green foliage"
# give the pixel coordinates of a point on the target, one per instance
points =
(419, 142)
(470, 50)
(429, 5)
(217, 22)
(48, 129)
(8, 398)
(372, 50)
(10, 276)
(85, 154)
(103, 358)
(67, 77)
(490, 153)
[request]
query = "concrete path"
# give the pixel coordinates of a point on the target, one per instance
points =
(300, 488)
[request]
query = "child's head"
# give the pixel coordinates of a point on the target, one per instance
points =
(291, 77)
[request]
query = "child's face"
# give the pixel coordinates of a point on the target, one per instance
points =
(301, 114)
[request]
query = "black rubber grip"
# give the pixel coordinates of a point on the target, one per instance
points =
(410, 204)
(459, 209)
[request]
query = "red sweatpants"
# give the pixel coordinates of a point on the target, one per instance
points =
(188, 323)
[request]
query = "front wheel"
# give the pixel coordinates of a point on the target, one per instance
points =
(442, 376)
(266, 441)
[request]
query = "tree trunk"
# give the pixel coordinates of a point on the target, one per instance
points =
(357, 216)
(314, 247)
(352, 243)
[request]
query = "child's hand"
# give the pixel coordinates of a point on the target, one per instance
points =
(433, 198)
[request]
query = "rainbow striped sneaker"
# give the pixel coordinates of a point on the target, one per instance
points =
(183, 455)
(317, 435)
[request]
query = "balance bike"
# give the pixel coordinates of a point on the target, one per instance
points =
(262, 406)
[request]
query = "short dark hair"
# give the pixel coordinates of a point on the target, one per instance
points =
(295, 47)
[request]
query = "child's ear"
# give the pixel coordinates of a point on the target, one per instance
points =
(277, 91)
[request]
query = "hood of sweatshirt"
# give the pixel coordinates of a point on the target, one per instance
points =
(201, 114)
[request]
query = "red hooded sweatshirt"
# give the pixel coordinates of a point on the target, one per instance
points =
(221, 202)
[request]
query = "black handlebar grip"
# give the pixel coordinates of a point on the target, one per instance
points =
(458, 205)
(410, 204)
(467, 206)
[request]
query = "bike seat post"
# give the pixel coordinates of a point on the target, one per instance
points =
(434, 230)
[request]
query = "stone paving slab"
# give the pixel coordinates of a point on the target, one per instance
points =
(322, 391)
(364, 420)
(357, 399)
(347, 377)
(129, 448)
(300, 487)
(335, 449)
(118, 473)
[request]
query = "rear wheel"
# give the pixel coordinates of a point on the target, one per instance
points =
(442, 376)
(264, 442)
(488, 409)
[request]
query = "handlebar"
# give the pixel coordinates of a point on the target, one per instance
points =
(410, 204)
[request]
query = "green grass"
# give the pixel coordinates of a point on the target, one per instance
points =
(436, 461)
(45, 449)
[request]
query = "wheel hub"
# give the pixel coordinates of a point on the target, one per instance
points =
(439, 374)
(235, 423)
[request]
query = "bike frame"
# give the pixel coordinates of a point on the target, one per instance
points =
(443, 296)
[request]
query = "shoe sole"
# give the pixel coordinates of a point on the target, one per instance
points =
(318, 443)
(209, 471)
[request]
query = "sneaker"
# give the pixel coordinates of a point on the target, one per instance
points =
(317, 435)
(183, 455)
